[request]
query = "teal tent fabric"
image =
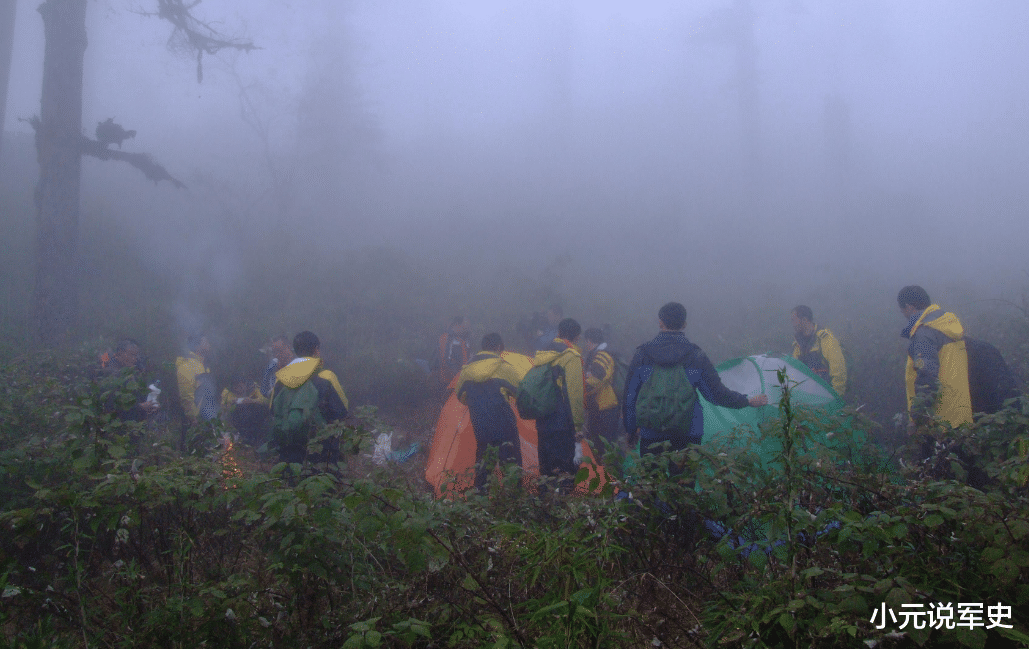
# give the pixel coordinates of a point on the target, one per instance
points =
(754, 375)
(812, 399)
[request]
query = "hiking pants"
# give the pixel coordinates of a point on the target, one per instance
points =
(507, 451)
(602, 425)
(656, 445)
(557, 451)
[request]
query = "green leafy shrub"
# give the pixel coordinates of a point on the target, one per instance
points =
(114, 538)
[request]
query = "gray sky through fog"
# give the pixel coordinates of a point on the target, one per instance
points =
(729, 143)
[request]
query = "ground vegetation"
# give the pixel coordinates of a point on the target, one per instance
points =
(115, 537)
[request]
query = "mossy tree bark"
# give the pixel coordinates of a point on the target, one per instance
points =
(59, 150)
(60, 146)
(7, 12)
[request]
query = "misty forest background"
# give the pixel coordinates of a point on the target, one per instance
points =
(529, 159)
(378, 308)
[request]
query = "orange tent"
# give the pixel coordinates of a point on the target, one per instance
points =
(452, 455)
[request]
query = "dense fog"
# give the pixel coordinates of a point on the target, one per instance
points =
(740, 157)
(408, 178)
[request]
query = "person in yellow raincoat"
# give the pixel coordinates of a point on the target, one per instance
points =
(558, 430)
(331, 402)
(486, 385)
(245, 409)
(196, 384)
(602, 414)
(817, 348)
(936, 375)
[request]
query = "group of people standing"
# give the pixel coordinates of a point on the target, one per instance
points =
(655, 399)
(659, 405)
(296, 394)
(588, 403)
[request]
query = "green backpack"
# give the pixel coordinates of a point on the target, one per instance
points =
(666, 400)
(538, 393)
(295, 415)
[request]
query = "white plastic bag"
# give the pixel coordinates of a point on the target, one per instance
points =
(383, 447)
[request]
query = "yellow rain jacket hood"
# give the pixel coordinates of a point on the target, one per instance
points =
(952, 401)
(487, 366)
(302, 369)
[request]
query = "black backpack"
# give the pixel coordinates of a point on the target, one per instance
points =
(990, 381)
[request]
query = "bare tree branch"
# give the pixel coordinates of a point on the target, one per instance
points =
(141, 161)
(192, 36)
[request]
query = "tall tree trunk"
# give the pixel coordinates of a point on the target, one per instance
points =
(59, 148)
(6, 46)
(747, 80)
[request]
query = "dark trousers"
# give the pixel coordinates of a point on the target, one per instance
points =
(602, 426)
(252, 421)
(507, 451)
(297, 454)
(556, 433)
(666, 442)
(292, 454)
(557, 451)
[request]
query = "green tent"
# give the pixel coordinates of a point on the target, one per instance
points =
(758, 374)
(726, 428)
(813, 400)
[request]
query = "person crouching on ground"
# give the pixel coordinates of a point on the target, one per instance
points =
(817, 348)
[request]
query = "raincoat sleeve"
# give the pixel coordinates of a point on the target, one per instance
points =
(711, 387)
(336, 400)
(468, 376)
(228, 401)
(599, 376)
(636, 377)
(330, 376)
(596, 376)
(459, 389)
(510, 378)
(924, 350)
(574, 380)
(837, 364)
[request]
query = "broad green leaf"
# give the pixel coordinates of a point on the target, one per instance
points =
(787, 622)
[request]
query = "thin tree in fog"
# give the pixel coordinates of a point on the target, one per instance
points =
(558, 48)
(256, 115)
(734, 26)
(267, 112)
(7, 8)
(60, 146)
(336, 134)
(747, 87)
(838, 144)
